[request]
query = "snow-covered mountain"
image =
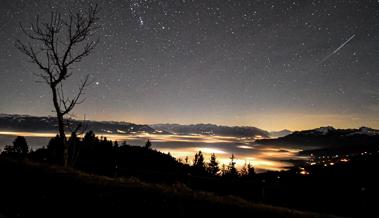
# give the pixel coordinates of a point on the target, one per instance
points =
(211, 129)
(327, 136)
(281, 133)
(14, 122)
(323, 130)
(366, 131)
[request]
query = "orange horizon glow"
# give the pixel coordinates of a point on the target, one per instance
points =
(270, 121)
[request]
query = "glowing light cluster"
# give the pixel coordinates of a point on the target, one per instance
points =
(261, 157)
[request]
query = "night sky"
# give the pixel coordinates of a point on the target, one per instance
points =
(271, 64)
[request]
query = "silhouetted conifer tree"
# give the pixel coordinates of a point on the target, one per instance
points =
(148, 144)
(244, 171)
(198, 163)
(232, 170)
(223, 170)
(250, 170)
(247, 171)
(212, 166)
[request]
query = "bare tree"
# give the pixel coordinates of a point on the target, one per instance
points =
(55, 45)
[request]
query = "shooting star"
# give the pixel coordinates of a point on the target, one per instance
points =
(337, 49)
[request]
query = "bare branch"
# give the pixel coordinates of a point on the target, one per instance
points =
(85, 52)
(79, 28)
(69, 104)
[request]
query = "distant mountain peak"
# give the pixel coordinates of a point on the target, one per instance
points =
(280, 133)
(328, 137)
(324, 130)
(212, 129)
(15, 122)
(366, 131)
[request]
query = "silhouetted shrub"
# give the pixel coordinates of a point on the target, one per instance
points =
(55, 150)
(19, 148)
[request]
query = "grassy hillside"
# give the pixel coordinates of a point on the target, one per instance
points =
(29, 189)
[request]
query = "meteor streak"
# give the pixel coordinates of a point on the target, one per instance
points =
(337, 49)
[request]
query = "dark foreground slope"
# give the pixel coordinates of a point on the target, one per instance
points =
(35, 190)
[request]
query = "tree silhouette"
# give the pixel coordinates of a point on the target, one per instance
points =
(232, 170)
(244, 171)
(74, 148)
(56, 45)
(148, 144)
(20, 148)
(55, 150)
(198, 163)
(250, 170)
(115, 145)
(212, 166)
(247, 171)
(223, 170)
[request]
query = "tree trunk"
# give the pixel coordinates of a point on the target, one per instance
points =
(62, 134)
(63, 138)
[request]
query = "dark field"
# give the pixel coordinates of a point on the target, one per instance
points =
(37, 190)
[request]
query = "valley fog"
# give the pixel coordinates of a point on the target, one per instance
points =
(262, 157)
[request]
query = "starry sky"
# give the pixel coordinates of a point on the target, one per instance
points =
(271, 64)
